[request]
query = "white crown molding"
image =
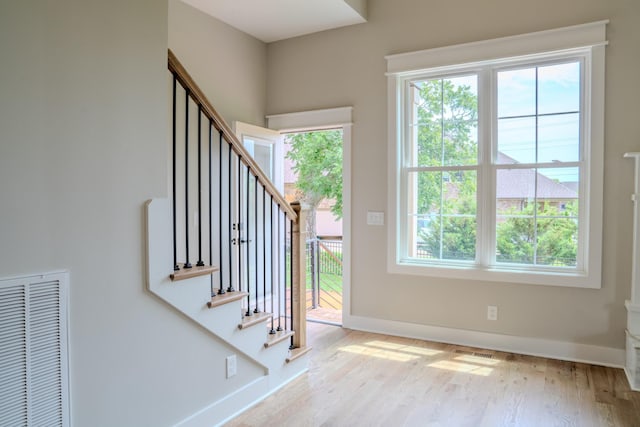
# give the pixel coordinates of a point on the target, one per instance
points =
(311, 120)
(584, 35)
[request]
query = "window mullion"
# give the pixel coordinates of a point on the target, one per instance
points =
(486, 177)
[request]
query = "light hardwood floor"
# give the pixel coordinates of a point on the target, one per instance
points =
(364, 379)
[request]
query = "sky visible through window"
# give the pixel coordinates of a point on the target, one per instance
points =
(538, 115)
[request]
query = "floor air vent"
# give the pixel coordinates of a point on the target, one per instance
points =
(33, 351)
(474, 353)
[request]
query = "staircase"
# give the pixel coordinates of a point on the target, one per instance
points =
(224, 249)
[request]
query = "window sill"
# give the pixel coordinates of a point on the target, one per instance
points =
(508, 274)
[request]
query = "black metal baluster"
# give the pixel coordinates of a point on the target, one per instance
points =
(200, 263)
(220, 266)
(176, 267)
(312, 268)
(287, 258)
(229, 174)
(280, 272)
(239, 224)
(291, 275)
(213, 288)
(264, 249)
(248, 239)
(318, 266)
(187, 264)
(255, 238)
(273, 270)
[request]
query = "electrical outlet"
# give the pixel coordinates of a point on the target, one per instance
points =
(492, 312)
(232, 365)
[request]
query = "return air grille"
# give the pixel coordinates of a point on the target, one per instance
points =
(33, 351)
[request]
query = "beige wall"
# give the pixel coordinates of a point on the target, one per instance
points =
(228, 65)
(346, 67)
(83, 102)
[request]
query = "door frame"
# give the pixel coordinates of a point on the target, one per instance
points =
(331, 118)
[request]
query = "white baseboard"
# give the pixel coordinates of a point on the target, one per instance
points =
(630, 379)
(232, 405)
(574, 352)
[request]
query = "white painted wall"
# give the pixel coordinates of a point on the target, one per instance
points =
(214, 52)
(346, 67)
(82, 146)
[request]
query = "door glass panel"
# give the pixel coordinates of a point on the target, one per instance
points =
(262, 153)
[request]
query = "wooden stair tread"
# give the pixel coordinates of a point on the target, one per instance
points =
(254, 319)
(188, 273)
(279, 336)
(226, 298)
(297, 353)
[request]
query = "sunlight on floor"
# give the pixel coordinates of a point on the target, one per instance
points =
(468, 363)
(478, 360)
(466, 368)
(381, 354)
(404, 348)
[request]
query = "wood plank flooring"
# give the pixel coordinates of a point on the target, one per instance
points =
(363, 379)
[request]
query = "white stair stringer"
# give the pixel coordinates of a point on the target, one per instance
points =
(190, 297)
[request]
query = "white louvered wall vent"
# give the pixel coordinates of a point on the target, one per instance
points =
(34, 385)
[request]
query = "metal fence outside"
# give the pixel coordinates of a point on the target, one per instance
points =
(324, 273)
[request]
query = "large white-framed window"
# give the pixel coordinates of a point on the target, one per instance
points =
(496, 159)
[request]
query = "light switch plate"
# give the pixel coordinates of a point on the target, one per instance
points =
(375, 218)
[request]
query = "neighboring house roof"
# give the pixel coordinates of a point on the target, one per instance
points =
(521, 184)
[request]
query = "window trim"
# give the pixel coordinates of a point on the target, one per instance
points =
(588, 41)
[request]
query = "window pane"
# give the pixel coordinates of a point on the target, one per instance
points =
(515, 222)
(427, 122)
(460, 143)
(515, 191)
(445, 121)
(459, 192)
(517, 140)
(446, 216)
(517, 93)
(429, 144)
(557, 191)
(537, 216)
(515, 236)
(559, 88)
(557, 241)
(428, 192)
(559, 138)
(448, 238)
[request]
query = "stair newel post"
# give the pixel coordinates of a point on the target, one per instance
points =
(298, 279)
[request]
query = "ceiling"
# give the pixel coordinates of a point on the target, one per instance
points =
(273, 20)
